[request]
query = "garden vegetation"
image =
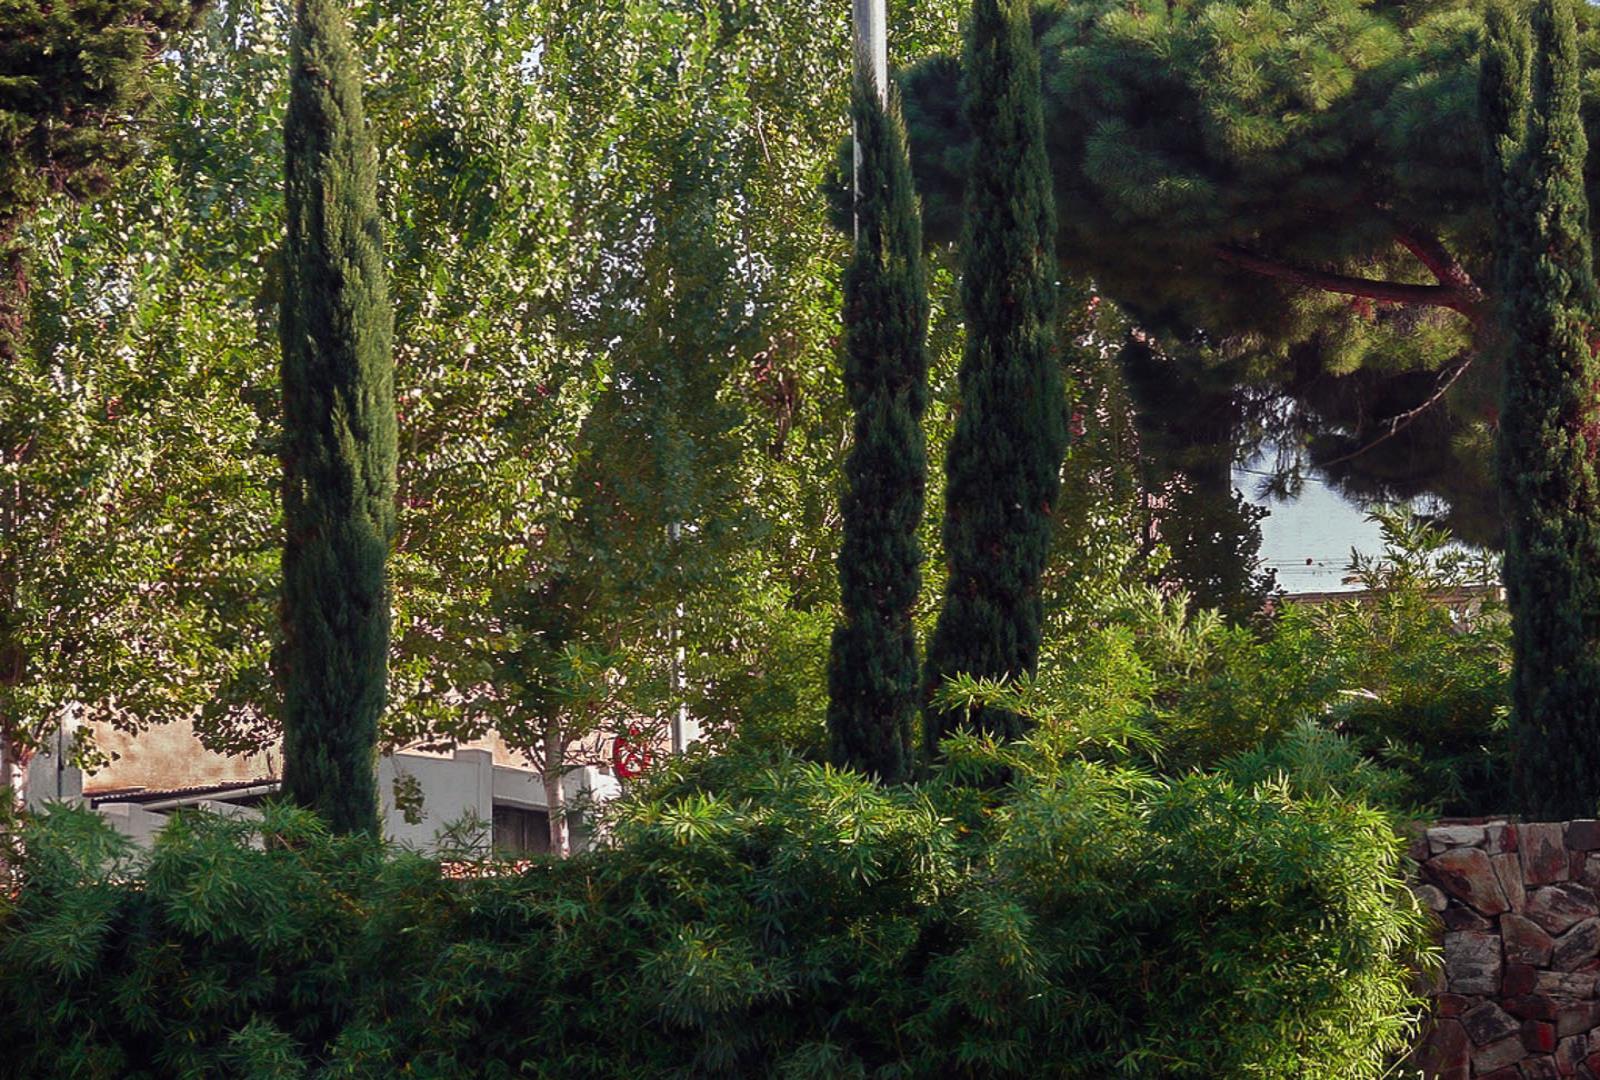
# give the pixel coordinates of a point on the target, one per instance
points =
(538, 399)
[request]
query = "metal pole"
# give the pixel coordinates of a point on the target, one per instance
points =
(680, 682)
(872, 48)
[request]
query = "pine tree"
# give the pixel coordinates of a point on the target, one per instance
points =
(339, 432)
(1550, 417)
(1003, 467)
(873, 672)
(1188, 142)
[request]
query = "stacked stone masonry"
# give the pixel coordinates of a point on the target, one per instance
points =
(1520, 907)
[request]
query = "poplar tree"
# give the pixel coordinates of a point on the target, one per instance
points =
(339, 432)
(873, 676)
(1002, 470)
(77, 86)
(1550, 417)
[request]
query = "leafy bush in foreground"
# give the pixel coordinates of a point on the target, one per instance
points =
(752, 918)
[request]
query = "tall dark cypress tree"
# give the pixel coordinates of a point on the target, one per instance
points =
(873, 675)
(1549, 323)
(339, 433)
(1003, 467)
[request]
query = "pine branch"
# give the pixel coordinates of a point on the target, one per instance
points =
(1401, 421)
(1468, 300)
(1431, 252)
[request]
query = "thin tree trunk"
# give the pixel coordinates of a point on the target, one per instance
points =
(7, 877)
(13, 773)
(555, 800)
(14, 447)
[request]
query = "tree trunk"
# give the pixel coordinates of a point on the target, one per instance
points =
(13, 449)
(555, 800)
(13, 773)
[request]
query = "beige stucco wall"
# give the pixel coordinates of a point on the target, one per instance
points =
(170, 756)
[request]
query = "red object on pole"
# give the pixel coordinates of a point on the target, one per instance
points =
(630, 755)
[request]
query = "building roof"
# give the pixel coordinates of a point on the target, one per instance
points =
(182, 795)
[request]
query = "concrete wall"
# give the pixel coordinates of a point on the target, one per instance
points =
(170, 756)
(50, 776)
(453, 790)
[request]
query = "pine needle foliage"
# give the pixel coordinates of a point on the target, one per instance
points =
(1550, 419)
(750, 916)
(339, 433)
(1003, 465)
(874, 676)
(1188, 142)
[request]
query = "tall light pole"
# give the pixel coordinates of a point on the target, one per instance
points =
(872, 52)
(680, 681)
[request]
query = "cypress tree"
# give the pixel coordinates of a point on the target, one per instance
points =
(873, 671)
(1003, 466)
(339, 433)
(1550, 415)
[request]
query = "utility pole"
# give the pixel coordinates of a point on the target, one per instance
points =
(680, 681)
(872, 52)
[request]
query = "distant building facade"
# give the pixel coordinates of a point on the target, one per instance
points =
(426, 798)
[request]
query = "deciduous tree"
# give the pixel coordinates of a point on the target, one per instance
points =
(76, 87)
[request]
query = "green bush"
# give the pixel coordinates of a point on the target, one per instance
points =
(1416, 680)
(1424, 685)
(750, 916)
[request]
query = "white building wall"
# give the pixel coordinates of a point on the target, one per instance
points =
(454, 790)
(50, 776)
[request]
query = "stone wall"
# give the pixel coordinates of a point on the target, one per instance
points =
(1517, 999)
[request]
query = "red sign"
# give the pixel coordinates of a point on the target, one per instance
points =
(630, 754)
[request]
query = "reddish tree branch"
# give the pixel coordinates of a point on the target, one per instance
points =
(1437, 258)
(1467, 300)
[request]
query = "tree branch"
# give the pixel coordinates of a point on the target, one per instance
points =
(1432, 253)
(1466, 300)
(1403, 420)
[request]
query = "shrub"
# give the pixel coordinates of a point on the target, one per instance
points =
(1424, 683)
(1417, 680)
(752, 915)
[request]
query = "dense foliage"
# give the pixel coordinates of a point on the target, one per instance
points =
(632, 190)
(78, 84)
(751, 916)
(338, 445)
(1003, 464)
(1549, 307)
(620, 428)
(1412, 672)
(1290, 181)
(874, 676)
